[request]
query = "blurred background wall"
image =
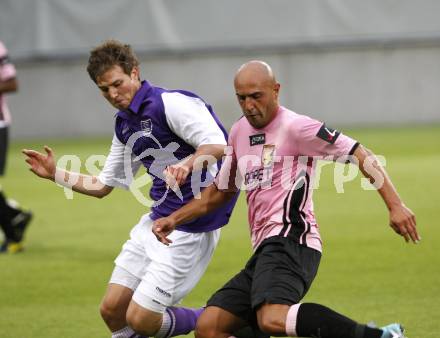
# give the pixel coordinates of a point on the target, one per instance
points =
(347, 62)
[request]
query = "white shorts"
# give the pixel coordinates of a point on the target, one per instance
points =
(161, 275)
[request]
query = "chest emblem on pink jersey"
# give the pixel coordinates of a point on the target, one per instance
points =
(267, 155)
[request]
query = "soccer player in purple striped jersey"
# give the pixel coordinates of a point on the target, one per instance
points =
(272, 155)
(166, 131)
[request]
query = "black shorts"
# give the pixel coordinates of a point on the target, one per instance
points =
(279, 272)
(3, 149)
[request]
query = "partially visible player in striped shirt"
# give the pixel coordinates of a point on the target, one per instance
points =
(272, 156)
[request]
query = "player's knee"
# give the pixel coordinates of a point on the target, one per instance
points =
(270, 323)
(204, 329)
(144, 325)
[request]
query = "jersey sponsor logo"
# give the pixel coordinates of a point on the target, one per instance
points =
(328, 134)
(257, 139)
(254, 177)
(267, 155)
(166, 294)
(147, 127)
(260, 178)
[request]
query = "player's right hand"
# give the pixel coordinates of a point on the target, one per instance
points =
(162, 227)
(40, 164)
(176, 174)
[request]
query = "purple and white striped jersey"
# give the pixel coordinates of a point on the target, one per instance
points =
(162, 127)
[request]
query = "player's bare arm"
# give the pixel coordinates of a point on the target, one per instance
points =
(44, 166)
(402, 219)
(210, 199)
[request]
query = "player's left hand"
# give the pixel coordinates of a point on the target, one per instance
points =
(162, 227)
(403, 221)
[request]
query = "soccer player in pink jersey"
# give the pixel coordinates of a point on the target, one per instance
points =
(272, 155)
(13, 220)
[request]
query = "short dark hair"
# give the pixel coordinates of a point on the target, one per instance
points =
(111, 53)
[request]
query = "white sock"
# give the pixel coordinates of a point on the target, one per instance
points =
(166, 328)
(126, 332)
(292, 315)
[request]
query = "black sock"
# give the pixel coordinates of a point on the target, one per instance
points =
(7, 213)
(314, 320)
(6, 210)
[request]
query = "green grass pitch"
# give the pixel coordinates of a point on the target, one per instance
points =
(53, 288)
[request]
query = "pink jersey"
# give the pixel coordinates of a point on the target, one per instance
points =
(7, 71)
(275, 165)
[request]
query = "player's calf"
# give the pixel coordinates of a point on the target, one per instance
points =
(216, 322)
(114, 306)
(113, 317)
